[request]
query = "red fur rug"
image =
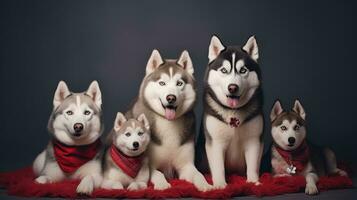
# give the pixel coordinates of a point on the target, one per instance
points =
(21, 183)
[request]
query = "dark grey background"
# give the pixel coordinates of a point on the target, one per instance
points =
(306, 51)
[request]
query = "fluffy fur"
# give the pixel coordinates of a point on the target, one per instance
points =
(289, 133)
(70, 109)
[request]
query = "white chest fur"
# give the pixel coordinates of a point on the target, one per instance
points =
(234, 140)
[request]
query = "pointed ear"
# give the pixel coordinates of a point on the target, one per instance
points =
(61, 93)
(276, 110)
(142, 118)
(251, 47)
(94, 92)
(154, 61)
(299, 109)
(186, 62)
(215, 48)
(119, 121)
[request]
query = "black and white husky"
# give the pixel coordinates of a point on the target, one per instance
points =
(75, 127)
(291, 154)
(167, 95)
(232, 120)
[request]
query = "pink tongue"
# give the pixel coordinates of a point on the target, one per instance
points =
(170, 114)
(232, 102)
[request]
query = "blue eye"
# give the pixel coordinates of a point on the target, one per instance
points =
(87, 112)
(179, 83)
(127, 134)
(69, 112)
(283, 128)
(224, 71)
(140, 133)
(243, 70)
(162, 83)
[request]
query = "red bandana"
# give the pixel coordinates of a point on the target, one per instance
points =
(130, 165)
(298, 158)
(70, 158)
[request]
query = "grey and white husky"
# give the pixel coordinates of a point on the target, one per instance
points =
(125, 162)
(167, 96)
(75, 127)
(292, 155)
(232, 120)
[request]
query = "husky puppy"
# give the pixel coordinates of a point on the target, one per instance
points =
(125, 161)
(232, 120)
(167, 96)
(75, 127)
(292, 155)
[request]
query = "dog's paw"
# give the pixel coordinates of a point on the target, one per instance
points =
(341, 172)
(311, 189)
(43, 180)
(133, 186)
(219, 185)
(202, 185)
(142, 185)
(86, 186)
(162, 185)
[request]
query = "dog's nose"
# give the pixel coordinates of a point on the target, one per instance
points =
(171, 98)
(135, 144)
(233, 88)
(78, 127)
(291, 140)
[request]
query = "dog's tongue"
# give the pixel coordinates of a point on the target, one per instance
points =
(170, 113)
(232, 102)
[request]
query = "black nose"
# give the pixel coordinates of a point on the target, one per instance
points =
(233, 88)
(291, 140)
(135, 144)
(78, 127)
(171, 98)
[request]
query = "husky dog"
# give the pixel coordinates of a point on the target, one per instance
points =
(232, 121)
(291, 154)
(125, 161)
(75, 127)
(167, 95)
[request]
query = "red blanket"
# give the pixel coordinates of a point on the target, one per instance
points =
(21, 183)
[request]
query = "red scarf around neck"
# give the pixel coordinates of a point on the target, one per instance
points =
(298, 157)
(70, 158)
(130, 165)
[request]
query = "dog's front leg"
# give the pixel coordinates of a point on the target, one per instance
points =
(253, 152)
(215, 154)
(50, 174)
(141, 179)
(159, 180)
(311, 179)
(190, 173)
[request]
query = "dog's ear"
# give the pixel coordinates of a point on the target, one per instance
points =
(276, 110)
(119, 121)
(299, 109)
(154, 61)
(142, 118)
(186, 62)
(61, 93)
(251, 47)
(215, 48)
(94, 92)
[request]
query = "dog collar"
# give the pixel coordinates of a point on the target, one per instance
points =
(130, 165)
(296, 159)
(70, 158)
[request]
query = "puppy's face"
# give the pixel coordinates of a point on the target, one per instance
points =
(288, 127)
(131, 136)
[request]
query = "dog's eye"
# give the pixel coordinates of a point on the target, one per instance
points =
(243, 70)
(127, 134)
(179, 83)
(69, 112)
(162, 83)
(140, 133)
(283, 128)
(87, 112)
(296, 127)
(224, 71)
